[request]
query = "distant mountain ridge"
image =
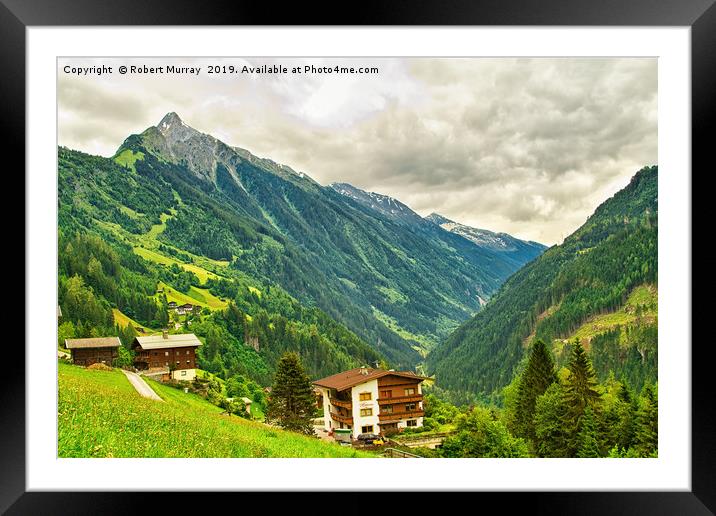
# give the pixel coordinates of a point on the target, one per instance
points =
(501, 242)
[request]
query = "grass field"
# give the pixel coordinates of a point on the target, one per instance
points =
(101, 415)
(154, 256)
(128, 158)
(195, 296)
(124, 321)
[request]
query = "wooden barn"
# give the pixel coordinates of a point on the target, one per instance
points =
(101, 350)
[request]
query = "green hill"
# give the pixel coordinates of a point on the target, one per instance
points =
(589, 276)
(101, 415)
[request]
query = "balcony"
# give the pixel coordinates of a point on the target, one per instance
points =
(340, 403)
(400, 399)
(396, 416)
(348, 420)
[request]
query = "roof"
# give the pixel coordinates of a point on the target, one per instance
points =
(95, 342)
(184, 340)
(353, 377)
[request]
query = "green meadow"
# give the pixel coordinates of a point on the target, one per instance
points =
(101, 415)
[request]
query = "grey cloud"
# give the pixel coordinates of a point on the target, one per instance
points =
(525, 146)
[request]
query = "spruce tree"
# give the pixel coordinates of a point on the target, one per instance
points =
(647, 434)
(551, 440)
(537, 377)
(292, 401)
(587, 439)
(579, 393)
(627, 422)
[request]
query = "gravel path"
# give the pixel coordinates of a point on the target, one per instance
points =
(141, 386)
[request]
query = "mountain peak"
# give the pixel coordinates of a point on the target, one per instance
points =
(170, 119)
(438, 219)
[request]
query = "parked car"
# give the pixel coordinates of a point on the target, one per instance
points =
(374, 439)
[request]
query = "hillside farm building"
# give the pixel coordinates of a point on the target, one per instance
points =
(85, 352)
(371, 401)
(170, 355)
(186, 308)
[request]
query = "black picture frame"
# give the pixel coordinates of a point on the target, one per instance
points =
(699, 15)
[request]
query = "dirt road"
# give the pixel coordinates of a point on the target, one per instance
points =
(141, 386)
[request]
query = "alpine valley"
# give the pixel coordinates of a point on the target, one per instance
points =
(278, 261)
(345, 277)
(525, 351)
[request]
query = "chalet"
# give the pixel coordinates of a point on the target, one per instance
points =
(171, 305)
(172, 355)
(186, 308)
(372, 401)
(86, 352)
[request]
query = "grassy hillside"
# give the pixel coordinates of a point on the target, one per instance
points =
(101, 415)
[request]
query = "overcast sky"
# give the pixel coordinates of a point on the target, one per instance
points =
(526, 146)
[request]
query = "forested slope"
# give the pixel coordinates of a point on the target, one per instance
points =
(593, 272)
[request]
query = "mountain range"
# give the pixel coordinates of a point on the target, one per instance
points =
(399, 282)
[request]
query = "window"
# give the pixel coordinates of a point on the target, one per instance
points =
(366, 412)
(188, 361)
(166, 353)
(411, 422)
(387, 409)
(409, 407)
(367, 429)
(365, 396)
(386, 394)
(183, 372)
(177, 352)
(409, 392)
(187, 351)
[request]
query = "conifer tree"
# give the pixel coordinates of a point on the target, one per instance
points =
(292, 401)
(647, 436)
(537, 377)
(587, 440)
(551, 439)
(626, 429)
(579, 393)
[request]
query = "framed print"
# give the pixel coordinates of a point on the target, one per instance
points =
(418, 253)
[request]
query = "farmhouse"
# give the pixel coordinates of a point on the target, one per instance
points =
(186, 308)
(173, 355)
(371, 401)
(86, 352)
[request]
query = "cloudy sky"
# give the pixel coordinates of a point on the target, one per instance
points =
(526, 146)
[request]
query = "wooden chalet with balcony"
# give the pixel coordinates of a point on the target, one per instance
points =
(372, 401)
(168, 356)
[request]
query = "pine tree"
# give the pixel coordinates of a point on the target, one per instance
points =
(551, 440)
(647, 435)
(579, 393)
(537, 377)
(292, 401)
(627, 422)
(587, 439)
